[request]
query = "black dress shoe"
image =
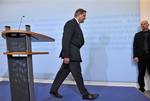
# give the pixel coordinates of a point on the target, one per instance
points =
(90, 96)
(56, 94)
(142, 90)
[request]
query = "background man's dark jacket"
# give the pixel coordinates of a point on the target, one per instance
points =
(138, 44)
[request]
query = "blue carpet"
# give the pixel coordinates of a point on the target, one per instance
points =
(71, 93)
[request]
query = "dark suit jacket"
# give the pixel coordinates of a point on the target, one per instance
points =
(72, 41)
(138, 44)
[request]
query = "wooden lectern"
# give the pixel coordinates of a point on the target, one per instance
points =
(19, 54)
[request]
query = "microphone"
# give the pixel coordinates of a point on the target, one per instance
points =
(20, 22)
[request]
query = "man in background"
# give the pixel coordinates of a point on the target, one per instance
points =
(72, 41)
(141, 53)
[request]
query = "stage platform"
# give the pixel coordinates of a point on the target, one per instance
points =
(71, 93)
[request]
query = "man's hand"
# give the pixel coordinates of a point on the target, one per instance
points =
(136, 59)
(66, 60)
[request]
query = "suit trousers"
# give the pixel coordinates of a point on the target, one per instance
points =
(75, 69)
(143, 65)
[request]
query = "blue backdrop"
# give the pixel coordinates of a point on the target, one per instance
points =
(108, 30)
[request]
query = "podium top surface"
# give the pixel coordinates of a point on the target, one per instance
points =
(35, 37)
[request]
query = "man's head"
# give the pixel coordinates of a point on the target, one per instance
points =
(144, 25)
(80, 15)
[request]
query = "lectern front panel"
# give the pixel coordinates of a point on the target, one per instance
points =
(18, 74)
(16, 43)
(20, 67)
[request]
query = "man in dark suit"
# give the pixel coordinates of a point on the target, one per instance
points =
(141, 53)
(72, 41)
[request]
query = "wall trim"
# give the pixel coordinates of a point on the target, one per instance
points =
(94, 83)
